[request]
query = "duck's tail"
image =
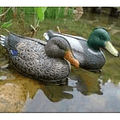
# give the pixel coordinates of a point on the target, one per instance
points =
(2, 40)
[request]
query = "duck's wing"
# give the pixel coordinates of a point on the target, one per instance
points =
(12, 40)
(20, 47)
(49, 34)
(25, 53)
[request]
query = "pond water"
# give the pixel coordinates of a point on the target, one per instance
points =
(85, 91)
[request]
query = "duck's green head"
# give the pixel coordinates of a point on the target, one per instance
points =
(100, 39)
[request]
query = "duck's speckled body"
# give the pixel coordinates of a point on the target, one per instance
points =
(89, 59)
(31, 59)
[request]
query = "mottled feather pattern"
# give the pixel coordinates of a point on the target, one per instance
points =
(33, 61)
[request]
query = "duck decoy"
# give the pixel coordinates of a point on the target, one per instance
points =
(28, 56)
(87, 52)
(50, 61)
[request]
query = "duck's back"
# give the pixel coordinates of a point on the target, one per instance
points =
(29, 57)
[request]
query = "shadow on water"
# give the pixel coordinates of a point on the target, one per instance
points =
(85, 91)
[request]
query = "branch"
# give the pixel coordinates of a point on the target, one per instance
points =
(34, 31)
(58, 29)
(5, 12)
(7, 30)
(33, 28)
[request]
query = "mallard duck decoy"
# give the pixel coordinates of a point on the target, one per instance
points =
(87, 52)
(49, 60)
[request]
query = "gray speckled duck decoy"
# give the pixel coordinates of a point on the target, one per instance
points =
(49, 60)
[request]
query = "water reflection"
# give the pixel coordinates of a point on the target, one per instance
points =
(108, 102)
(87, 82)
(57, 93)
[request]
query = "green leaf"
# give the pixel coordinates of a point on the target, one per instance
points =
(6, 24)
(40, 12)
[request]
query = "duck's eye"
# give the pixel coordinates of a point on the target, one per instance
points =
(101, 37)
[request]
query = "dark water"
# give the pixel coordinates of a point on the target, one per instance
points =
(84, 92)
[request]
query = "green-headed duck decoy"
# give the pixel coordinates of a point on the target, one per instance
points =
(87, 52)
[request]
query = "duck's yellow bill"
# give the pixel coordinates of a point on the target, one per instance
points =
(111, 49)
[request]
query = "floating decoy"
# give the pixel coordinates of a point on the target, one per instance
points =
(87, 52)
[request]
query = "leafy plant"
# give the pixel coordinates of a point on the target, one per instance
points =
(39, 15)
(40, 12)
(6, 24)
